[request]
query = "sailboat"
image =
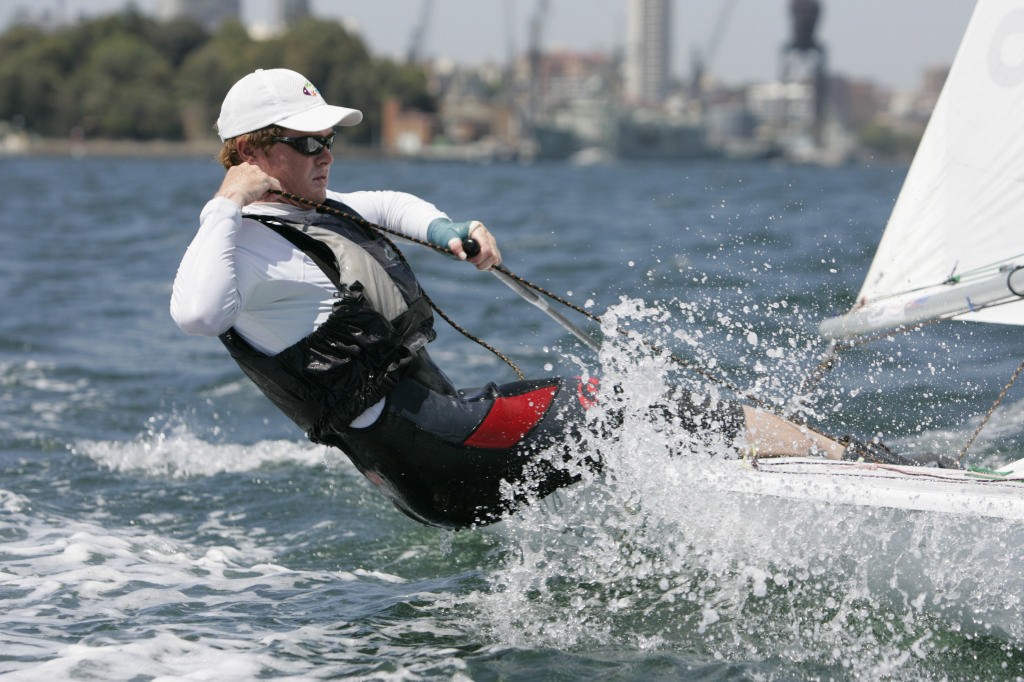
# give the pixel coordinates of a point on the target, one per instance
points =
(953, 248)
(954, 244)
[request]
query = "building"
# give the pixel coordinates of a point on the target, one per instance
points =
(291, 12)
(210, 13)
(648, 52)
(281, 15)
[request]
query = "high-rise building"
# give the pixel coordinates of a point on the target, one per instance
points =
(290, 12)
(210, 13)
(648, 51)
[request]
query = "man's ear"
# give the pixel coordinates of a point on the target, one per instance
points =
(246, 150)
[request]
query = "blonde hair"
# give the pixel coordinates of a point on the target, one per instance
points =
(261, 139)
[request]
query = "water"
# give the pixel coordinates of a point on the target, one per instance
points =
(161, 521)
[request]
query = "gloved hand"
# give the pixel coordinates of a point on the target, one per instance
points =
(442, 231)
(448, 235)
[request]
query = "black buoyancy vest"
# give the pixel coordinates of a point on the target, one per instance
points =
(356, 356)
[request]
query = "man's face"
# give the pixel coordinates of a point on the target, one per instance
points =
(298, 173)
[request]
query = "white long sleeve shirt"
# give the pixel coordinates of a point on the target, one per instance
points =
(237, 273)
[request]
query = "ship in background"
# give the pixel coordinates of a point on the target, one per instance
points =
(624, 108)
(629, 107)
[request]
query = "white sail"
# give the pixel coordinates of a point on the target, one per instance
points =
(960, 213)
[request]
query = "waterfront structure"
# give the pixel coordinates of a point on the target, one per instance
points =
(210, 13)
(648, 52)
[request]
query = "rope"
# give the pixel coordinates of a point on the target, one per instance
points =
(701, 371)
(826, 364)
(682, 362)
(323, 208)
(831, 357)
(988, 415)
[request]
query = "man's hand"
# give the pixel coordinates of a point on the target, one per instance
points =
(246, 183)
(443, 232)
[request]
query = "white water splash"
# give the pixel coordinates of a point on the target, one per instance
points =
(658, 554)
(179, 453)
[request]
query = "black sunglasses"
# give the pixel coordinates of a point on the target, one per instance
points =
(308, 145)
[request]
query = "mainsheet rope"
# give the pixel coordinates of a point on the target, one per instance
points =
(875, 451)
(831, 356)
(683, 362)
(324, 208)
(991, 411)
(824, 366)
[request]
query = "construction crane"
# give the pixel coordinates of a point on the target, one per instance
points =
(414, 52)
(537, 20)
(701, 61)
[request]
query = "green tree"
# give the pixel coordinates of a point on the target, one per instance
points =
(208, 72)
(125, 91)
(32, 76)
(176, 39)
(127, 76)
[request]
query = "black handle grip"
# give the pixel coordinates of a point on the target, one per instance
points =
(471, 247)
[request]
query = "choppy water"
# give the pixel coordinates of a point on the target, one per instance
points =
(159, 520)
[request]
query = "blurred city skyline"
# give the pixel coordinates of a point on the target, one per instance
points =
(890, 43)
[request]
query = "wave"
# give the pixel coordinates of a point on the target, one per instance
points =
(177, 452)
(93, 599)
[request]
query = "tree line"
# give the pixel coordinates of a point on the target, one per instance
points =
(127, 76)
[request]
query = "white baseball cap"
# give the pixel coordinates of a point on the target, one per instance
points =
(279, 97)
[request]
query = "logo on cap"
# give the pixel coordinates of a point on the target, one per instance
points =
(310, 89)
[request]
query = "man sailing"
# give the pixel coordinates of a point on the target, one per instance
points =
(330, 323)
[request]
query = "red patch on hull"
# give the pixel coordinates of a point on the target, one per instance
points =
(511, 418)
